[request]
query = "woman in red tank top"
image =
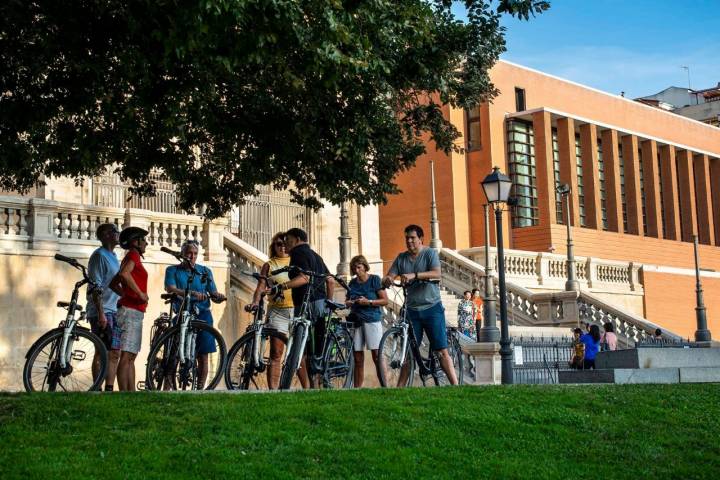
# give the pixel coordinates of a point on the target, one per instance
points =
(131, 284)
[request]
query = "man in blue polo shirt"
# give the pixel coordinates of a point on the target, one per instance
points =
(176, 280)
(102, 307)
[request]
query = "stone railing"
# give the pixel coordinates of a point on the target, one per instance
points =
(47, 226)
(628, 327)
(461, 273)
(539, 270)
(552, 309)
(243, 257)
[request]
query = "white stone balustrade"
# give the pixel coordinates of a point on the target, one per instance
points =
(34, 224)
(548, 271)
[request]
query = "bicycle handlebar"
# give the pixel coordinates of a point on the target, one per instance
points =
(179, 256)
(309, 273)
(435, 281)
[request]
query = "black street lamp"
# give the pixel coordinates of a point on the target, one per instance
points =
(497, 190)
(702, 334)
(572, 284)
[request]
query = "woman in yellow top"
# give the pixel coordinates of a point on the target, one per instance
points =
(279, 311)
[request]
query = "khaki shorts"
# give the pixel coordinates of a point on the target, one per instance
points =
(130, 322)
(279, 319)
(367, 334)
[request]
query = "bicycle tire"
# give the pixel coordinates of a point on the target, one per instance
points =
(82, 362)
(240, 371)
(339, 361)
(163, 360)
(292, 358)
(389, 358)
(439, 376)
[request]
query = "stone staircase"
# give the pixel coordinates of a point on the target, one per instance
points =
(650, 365)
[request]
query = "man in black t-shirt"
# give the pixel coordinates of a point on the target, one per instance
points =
(302, 256)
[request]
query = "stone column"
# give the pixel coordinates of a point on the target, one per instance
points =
(568, 164)
(686, 190)
(715, 182)
(703, 197)
(633, 197)
(651, 183)
(545, 174)
(591, 176)
(343, 268)
(671, 203)
(613, 188)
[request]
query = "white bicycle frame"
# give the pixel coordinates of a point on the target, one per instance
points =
(67, 341)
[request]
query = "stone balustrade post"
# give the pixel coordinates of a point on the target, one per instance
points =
(212, 239)
(487, 362)
(571, 312)
(544, 305)
(543, 268)
(41, 224)
(634, 275)
(591, 272)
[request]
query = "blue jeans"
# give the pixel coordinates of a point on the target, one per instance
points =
(432, 322)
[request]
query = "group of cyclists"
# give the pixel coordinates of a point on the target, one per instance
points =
(116, 309)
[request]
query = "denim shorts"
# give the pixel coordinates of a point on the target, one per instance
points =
(110, 335)
(432, 322)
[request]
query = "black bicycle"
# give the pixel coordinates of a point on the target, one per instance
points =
(250, 364)
(173, 362)
(335, 362)
(401, 355)
(69, 357)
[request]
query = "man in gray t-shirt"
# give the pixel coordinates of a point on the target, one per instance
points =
(424, 308)
(102, 307)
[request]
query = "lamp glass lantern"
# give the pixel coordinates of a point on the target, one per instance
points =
(497, 186)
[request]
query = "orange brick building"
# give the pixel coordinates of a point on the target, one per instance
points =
(643, 181)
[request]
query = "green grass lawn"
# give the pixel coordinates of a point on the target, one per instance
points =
(636, 432)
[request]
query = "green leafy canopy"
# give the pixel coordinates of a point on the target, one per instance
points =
(325, 97)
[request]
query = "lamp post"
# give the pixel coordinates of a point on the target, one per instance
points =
(489, 331)
(343, 268)
(572, 284)
(702, 334)
(435, 241)
(497, 190)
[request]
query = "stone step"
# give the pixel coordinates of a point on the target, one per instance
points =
(654, 357)
(642, 375)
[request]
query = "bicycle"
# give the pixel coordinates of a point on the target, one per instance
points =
(395, 356)
(173, 359)
(249, 357)
(336, 362)
(63, 357)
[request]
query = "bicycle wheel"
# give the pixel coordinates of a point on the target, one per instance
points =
(439, 376)
(241, 371)
(165, 371)
(42, 370)
(339, 361)
(390, 361)
(292, 358)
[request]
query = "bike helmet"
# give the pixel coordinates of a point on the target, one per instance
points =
(129, 234)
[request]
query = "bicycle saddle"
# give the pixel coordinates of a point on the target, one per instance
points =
(168, 297)
(334, 305)
(67, 305)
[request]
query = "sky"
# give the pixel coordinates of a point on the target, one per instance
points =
(635, 46)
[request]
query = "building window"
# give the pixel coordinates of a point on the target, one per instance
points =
(473, 128)
(621, 166)
(680, 196)
(581, 190)
(601, 176)
(642, 191)
(519, 99)
(660, 192)
(556, 170)
(521, 162)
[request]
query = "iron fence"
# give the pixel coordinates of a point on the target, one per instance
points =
(537, 360)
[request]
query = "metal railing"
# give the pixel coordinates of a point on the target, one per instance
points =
(110, 191)
(538, 360)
